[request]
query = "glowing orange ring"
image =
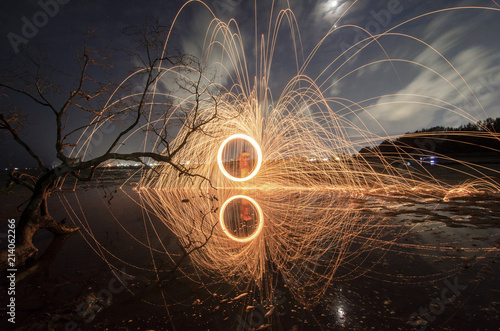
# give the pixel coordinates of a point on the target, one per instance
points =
(253, 143)
(223, 224)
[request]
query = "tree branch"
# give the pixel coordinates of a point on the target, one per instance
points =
(29, 95)
(5, 125)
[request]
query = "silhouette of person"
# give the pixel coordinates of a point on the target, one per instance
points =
(244, 164)
(245, 214)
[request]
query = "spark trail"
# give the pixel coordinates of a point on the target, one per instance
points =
(304, 192)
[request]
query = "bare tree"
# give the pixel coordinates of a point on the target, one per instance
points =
(98, 103)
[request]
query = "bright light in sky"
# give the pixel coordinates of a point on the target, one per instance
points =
(332, 4)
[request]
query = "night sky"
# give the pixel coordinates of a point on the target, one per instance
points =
(468, 38)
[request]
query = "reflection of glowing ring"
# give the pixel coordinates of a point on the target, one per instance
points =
(254, 144)
(223, 224)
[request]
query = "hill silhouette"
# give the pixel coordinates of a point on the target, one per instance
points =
(473, 139)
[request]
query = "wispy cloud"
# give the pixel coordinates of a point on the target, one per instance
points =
(477, 75)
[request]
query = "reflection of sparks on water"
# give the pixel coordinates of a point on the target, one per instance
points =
(308, 173)
(306, 235)
(243, 216)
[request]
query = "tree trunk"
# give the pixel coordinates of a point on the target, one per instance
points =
(33, 218)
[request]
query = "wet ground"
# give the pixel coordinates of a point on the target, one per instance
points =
(438, 268)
